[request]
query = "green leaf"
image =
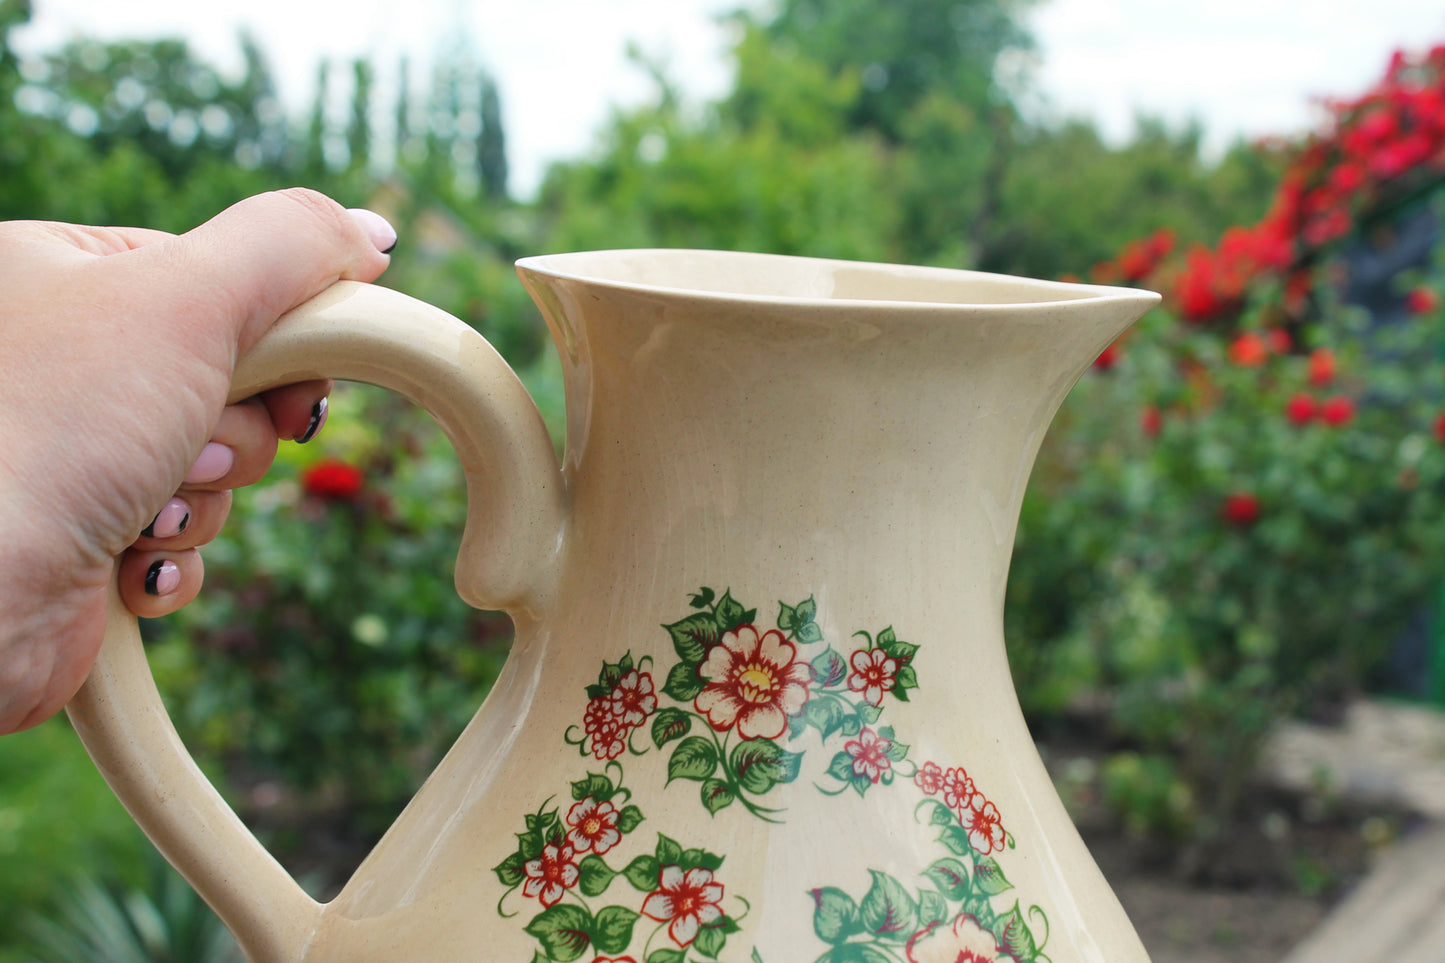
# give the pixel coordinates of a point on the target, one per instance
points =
(869, 713)
(900, 652)
(988, 878)
(716, 795)
(855, 953)
(940, 815)
(642, 873)
(932, 908)
(835, 915)
(510, 870)
(670, 723)
(613, 929)
(897, 751)
(629, 819)
(667, 956)
(668, 851)
(956, 839)
(886, 638)
(841, 768)
(807, 610)
(887, 910)
(694, 758)
(829, 668)
(683, 682)
(826, 714)
(787, 618)
(693, 858)
(596, 785)
(730, 614)
(693, 636)
(710, 941)
(906, 678)
(761, 764)
(563, 930)
(702, 599)
(809, 632)
(950, 876)
(594, 875)
(1014, 935)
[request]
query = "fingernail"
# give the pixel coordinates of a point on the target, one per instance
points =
(378, 228)
(318, 418)
(169, 521)
(163, 577)
(214, 462)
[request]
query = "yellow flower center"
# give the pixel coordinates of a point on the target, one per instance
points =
(755, 683)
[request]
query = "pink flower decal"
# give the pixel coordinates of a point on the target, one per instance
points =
(685, 900)
(870, 754)
(633, 699)
(984, 825)
(957, 788)
(552, 874)
(608, 736)
(594, 826)
(962, 941)
(929, 778)
(755, 682)
(874, 673)
(610, 719)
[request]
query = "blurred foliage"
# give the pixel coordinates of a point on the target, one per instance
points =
(329, 663)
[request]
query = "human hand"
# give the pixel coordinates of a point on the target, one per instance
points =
(117, 347)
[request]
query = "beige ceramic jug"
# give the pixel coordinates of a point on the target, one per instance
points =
(758, 707)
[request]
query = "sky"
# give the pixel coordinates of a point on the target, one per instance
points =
(1241, 68)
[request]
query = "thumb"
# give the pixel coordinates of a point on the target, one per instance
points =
(265, 255)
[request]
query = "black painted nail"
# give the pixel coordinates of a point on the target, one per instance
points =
(390, 249)
(318, 418)
(172, 520)
(162, 577)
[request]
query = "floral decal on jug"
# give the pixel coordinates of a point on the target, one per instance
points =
(736, 696)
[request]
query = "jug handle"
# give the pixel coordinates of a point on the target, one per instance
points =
(515, 513)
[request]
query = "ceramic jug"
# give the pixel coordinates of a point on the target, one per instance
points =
(758, 707)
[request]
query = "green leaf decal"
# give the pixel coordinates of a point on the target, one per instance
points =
(761, 764)
(693, 636)
(807, 610)
(729, 613)
(716, 795)
(694, 758)
(809, 632)
(667, 956)
(826, 714)
(613, 929)
(988, 877)
(901, 652)
(829, 668)
(956, 839)
(950, 876)
(595, 784)
(787, 618)
(668, 852)
(1014, 936)
(670, 723)
(510, 871)
(841, 767)
(710, 941)
(693, 858)
(629, 819)
(683, 682)
(593, 875)
(932, 908)
(854, 953)
(887, 910)
(563, 930)
(835, 915)
(702, 599)
(642, 873)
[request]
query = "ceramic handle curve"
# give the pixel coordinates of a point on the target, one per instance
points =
(355, 332)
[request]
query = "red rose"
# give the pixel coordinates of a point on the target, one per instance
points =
(1302, 408)
(1337, 411)
(332, 479)
(1241, 508)
(1422, 301)
(1440, 427)
(1108, 357)
(1152, 421)
(1321, 367)
(1248, 350)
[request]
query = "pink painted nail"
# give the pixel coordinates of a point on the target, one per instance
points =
(214, 461)
(169, 521)
(378, 228)
(163, 577)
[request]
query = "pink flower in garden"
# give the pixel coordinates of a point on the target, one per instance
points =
(552, 874)
(633, 699)
(874, 673)
(957, 788)
(984, 825)
(929, 778)
(961, 941)
(686, 900)
(594, 826)
(755, 682)
(870, 754)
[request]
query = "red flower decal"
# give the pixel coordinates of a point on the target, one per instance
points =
(633, 699)
(685, 900)
(594, 826)
(552, 874)
(609, 719)
(608, 735)
(929, 778)
(874, 673)
(870, 754)
(755, 682)
(957, 788)
(961, 941)
(333, 480)
(984, 825)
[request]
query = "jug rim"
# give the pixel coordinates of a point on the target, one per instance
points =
(814, 281)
